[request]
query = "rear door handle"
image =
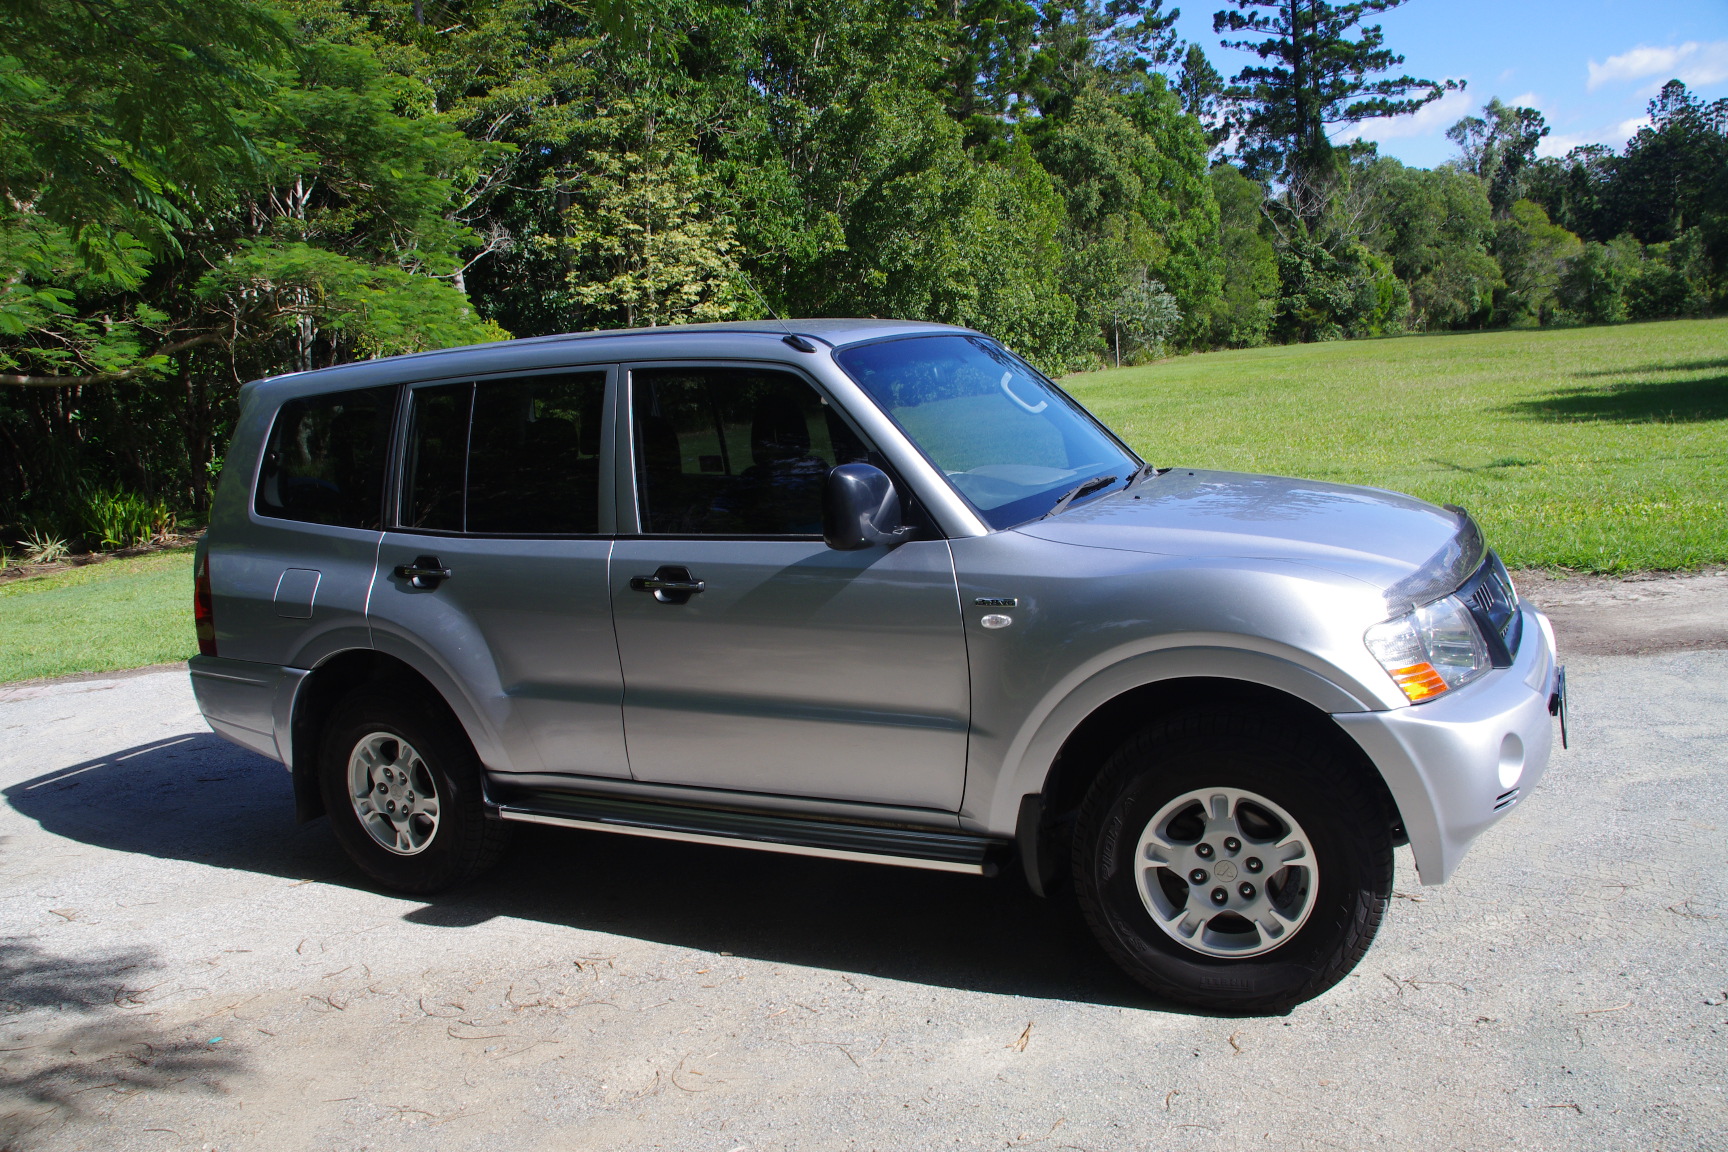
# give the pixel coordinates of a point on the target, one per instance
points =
(671, 584)
(425, 572)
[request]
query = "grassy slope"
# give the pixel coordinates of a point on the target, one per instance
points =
(1600, 448)
(117, 614)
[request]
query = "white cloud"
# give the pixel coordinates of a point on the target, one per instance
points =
(1613, 134)
(1527, 100)
(1430, 120)
(1693, 62)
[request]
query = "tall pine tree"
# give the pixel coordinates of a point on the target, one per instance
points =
(1314, 78)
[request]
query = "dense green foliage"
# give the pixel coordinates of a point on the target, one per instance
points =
(201, 193)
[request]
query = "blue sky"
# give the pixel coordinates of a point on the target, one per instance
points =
(1590, 66)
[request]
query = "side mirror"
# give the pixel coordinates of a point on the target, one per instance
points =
(860, 508)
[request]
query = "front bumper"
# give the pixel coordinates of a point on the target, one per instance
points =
(1457, 764)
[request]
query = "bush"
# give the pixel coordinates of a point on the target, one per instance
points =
(115, 518)
(1593, 285)
(1329, 295)
(1660, 292)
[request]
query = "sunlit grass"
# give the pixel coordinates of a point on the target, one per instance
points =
(1601, 449)
(116, 614)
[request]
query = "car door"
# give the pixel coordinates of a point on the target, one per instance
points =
(496, 563)
(795, 669)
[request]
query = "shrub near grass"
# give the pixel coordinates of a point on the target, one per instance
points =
(1600, 449)
(116, 614)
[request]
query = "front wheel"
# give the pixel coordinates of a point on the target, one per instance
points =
(1233, 861)
(402, 786)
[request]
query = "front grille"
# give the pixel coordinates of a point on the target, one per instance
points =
(1492, 601)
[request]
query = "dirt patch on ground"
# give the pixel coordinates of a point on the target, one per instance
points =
(1632, 615)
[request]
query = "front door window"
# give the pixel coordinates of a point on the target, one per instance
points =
(734, 451)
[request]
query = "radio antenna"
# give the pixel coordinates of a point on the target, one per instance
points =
(791, 337)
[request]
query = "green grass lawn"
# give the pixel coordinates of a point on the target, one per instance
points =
(1602, 449)
(117, 614)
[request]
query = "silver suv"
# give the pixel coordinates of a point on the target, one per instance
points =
(871, 590)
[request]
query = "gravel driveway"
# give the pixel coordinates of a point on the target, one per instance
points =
(183, 967)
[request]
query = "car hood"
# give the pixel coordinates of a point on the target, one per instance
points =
(1408, 548)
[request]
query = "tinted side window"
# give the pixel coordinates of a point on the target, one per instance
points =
(437, 457)
(734, 451)
(534, 455)
(512, 457)
(324, 462)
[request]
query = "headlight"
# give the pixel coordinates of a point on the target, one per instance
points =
(1431, 650)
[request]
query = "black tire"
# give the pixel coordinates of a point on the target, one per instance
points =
(463, 842)
(1342, 811)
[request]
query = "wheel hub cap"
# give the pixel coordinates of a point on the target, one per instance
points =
(393, 793)
(1193, 854)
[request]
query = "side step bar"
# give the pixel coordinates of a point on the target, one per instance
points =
(906, 847)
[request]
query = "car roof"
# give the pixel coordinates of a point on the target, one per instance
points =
(764, 337)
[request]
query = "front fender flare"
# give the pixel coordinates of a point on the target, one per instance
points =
(1033, 752)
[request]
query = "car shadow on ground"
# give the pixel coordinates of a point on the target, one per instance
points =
(1631, 402)
(195, 797)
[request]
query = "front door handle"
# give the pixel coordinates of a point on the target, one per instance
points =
(671, 584)
(425, 572)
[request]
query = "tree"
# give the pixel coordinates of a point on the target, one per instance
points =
(1316, 77)
(1143, 317)
(1674, 173)
(121, 113)
(1240, 315)
(990, 44)
(342, 244)
(1328, 293)
(1081, 39)
(1435, 227)
(1532, 253)
(645, 240)
(1497, 147)
(1593, 284)
(1132, 169)
(1201, 90)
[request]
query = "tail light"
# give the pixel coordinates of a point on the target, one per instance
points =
(204, 608)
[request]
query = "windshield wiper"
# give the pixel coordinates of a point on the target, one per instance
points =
(1069, 496)
(1146, 469)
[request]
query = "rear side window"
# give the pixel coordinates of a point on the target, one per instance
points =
(514, 457)
(437, 451)
(324, 462)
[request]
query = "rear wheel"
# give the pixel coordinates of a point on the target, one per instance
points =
(1233, 861)
(402, 786)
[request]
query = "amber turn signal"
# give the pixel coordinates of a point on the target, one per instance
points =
(1419, 681)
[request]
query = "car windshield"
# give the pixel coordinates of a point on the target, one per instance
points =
(1010, 442)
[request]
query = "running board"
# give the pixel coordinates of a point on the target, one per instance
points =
(906, 847)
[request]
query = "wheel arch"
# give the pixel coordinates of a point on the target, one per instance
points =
(317, 696)
(1079, 735)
